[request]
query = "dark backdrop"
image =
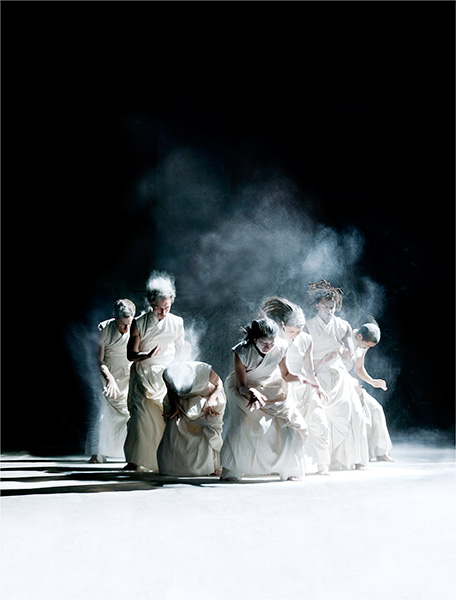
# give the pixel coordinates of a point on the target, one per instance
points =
(360, 120)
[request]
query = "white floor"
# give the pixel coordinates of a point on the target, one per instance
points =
(73, 531)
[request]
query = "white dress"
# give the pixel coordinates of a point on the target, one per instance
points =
(310, 405)
(269, 439)
(147, 388)
(344, 411)
(378, 437)
(109, 429)
(191, 446)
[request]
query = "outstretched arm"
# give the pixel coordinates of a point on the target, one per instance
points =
(309, 369)
(360, 370)
(111, 389)
(255, 398)
(215, 386)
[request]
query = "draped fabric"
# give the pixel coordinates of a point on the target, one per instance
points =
(316, 449)
(378, 437)
(269, 439)
(113, 412)
(191, 445)
(147, 388)
(344, 411)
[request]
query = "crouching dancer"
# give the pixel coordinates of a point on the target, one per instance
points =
(193, 411)
(265, 432)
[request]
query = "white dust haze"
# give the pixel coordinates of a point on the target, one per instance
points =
(229, 245)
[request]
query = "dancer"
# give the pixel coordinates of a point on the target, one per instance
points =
(193, 411)
(155, 337)
(332, 336)
(308, 393)
(115, 374)
(379, 441)
(265, 432)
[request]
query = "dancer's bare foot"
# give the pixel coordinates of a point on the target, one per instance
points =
(385, 458)
(359, 467)
(294, 478)
(95, 459)
(141, 469)
(216, 473)
(324, 471)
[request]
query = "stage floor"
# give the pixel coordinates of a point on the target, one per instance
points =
(75, 531)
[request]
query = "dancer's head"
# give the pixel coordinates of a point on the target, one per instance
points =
(326, 298)
(179, 377)
(262, 332)
(161, 293)
(368, 335)
(124, 312)
(286, 314)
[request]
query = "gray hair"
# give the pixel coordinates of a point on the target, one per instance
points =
(160, 286)
(124, 308)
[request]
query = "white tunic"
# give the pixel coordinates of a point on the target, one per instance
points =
(378, 436)
(114, 411)
(191, 445)
(310, 405)
(147, 388)
(269, 439)
(344, 411)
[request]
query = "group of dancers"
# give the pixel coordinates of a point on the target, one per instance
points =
(292, 405)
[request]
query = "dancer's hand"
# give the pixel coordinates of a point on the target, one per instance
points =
(379, 383)
(171, 415)
(323, 395)
(257, 400)
(111, 389)
(209, 410)
(154, 351)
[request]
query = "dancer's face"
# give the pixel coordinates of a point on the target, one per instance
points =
(123, 325)
(265, 345)
(161, 308)
(326, 309)
(292, 332)
(362, 343)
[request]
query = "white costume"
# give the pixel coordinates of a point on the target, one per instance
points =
(112, 424)
(344, 410)
(147, 388)
(269, 439)
(310, 405)
(378, 437)
(191, 445)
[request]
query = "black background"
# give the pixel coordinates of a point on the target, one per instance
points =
(353, 101)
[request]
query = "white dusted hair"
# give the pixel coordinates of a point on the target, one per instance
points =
(159, 286)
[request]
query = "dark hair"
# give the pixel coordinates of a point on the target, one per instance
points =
(282, 310)
(370, 332)
(260, 328)
(319, 290)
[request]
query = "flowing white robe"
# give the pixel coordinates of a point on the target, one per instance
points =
(108, 429)
(147, 388)
(269, 439)
(114, 411)
(378, 436)
(344, 412)
(310, 405)
(191, 445)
